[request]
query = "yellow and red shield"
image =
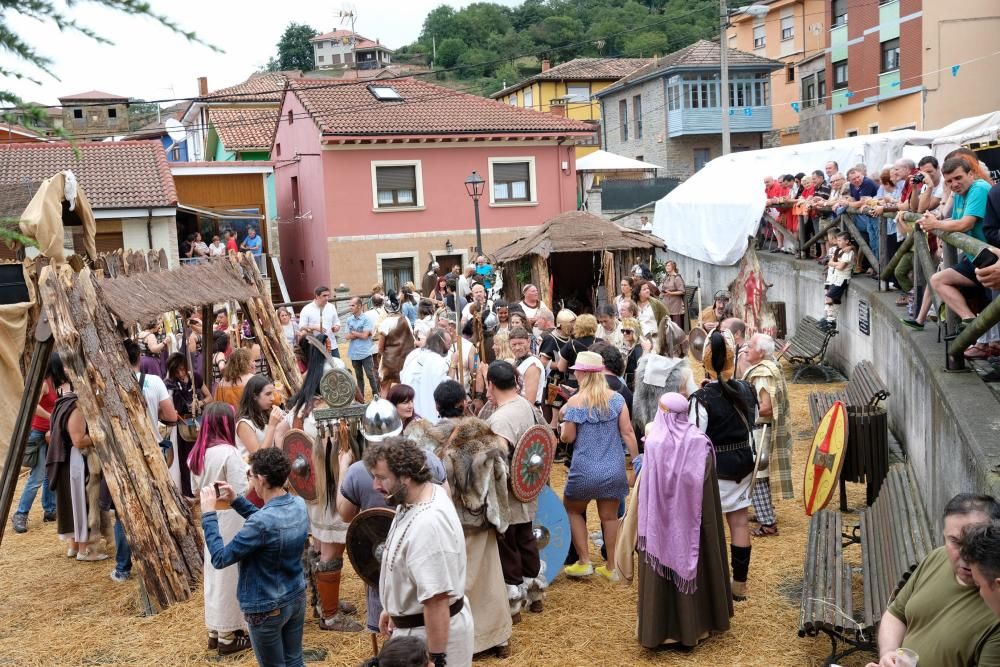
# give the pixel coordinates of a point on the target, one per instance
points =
(826, 456)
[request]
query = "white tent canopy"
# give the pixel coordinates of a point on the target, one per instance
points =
(709, 216)
(605, 161)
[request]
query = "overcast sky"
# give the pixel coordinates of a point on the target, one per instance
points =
(147, 61)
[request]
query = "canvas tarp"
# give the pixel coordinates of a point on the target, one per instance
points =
(13, 329)
(709, 216)
(42, 220)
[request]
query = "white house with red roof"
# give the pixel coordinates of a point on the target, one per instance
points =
(345, 49)
(128, 183)
(370, 178)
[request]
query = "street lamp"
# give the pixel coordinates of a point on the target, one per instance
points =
(474, 186)
(754, 10)
(448, 247)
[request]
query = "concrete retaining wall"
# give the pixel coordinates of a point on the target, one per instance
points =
(948, 423)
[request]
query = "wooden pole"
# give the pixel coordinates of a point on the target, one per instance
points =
(22, 428)
(862, 244)
(890, 269)
(787, 234)
(166, 545)
(922, 253)
(207, 346)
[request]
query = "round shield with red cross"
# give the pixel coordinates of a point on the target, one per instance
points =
(531, 463)
(298, 447)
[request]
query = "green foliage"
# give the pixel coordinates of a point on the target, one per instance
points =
(449, 52)
(48, 11)
(294, 49)
(559, 30)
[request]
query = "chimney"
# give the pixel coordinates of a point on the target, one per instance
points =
(545, 65)
(557, 108)
(202, 86)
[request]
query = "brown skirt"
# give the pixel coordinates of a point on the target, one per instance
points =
(666, 615)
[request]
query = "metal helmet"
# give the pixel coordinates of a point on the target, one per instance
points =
(381, 421)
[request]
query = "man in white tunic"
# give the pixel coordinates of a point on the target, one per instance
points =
(422, 583)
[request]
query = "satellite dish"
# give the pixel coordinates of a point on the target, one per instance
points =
(175, 130)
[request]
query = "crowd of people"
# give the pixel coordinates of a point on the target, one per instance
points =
(459, 375)
(954, 195)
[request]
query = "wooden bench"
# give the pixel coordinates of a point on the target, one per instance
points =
(894, 534)
(807, 348)
(867, 458)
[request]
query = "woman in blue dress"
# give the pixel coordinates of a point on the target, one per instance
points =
(597, 421)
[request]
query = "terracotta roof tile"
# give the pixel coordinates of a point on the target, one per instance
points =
(583, 69)
(242, 129)
(351, 109)
(122, 174)
(261, 87)
(93, 95)
(702, 53)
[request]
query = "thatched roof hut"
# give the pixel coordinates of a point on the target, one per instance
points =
(572, 256)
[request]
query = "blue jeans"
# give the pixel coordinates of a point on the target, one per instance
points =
(123, 552)
(277, 640)
(36, 479)
(870, 226)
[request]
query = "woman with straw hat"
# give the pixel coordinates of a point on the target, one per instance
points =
(724, 409)
(674, 522)
(597, 421)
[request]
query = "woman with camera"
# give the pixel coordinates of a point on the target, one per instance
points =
(268, 548)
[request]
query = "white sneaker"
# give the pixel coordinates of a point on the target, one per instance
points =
(91, 556)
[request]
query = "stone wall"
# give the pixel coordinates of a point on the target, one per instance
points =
(948, 423)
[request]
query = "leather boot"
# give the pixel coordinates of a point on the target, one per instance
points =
(328, 587)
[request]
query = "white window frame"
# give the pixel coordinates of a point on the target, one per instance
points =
(397, 163)
(762, 39)
(412, 256)
(529, 98)
(530, 159)
(787, 23)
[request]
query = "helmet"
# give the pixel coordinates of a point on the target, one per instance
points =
(381, 421)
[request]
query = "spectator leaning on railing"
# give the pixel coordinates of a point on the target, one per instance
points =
(967, 213)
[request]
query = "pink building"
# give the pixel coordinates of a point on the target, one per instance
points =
(370, 178)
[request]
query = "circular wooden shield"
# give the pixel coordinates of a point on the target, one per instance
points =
(298, 447)
(366, 538)
(551, 529)
(531, 463)
(337, 388)
(826, 457)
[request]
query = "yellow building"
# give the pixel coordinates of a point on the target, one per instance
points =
(568, 90)
(790, 31)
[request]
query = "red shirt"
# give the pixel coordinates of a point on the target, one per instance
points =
(231, 245)
(47, 402)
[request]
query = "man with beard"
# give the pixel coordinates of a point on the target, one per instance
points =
(422, 582)
(518, 547)
(357, 493)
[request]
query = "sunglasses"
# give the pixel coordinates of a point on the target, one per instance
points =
(627, 331)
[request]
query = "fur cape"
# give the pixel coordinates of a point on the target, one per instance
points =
(475, 459)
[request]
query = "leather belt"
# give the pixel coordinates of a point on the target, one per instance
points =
(417, 620)
(732, 447)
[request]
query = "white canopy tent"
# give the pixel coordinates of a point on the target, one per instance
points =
(709, 216)
(603, 162)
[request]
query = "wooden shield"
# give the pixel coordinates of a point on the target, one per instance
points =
(551, 529)
(298, 447)
(337, 388)
(366, 538)
(826, 457)
(531, 463)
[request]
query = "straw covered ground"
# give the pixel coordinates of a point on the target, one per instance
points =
(57, 611)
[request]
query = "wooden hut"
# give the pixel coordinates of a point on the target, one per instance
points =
(576, 259)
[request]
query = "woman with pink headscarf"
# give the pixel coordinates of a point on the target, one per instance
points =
(674, 523)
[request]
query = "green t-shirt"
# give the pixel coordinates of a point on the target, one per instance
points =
(947, 624)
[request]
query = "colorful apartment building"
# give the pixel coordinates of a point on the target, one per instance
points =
(569, 90)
